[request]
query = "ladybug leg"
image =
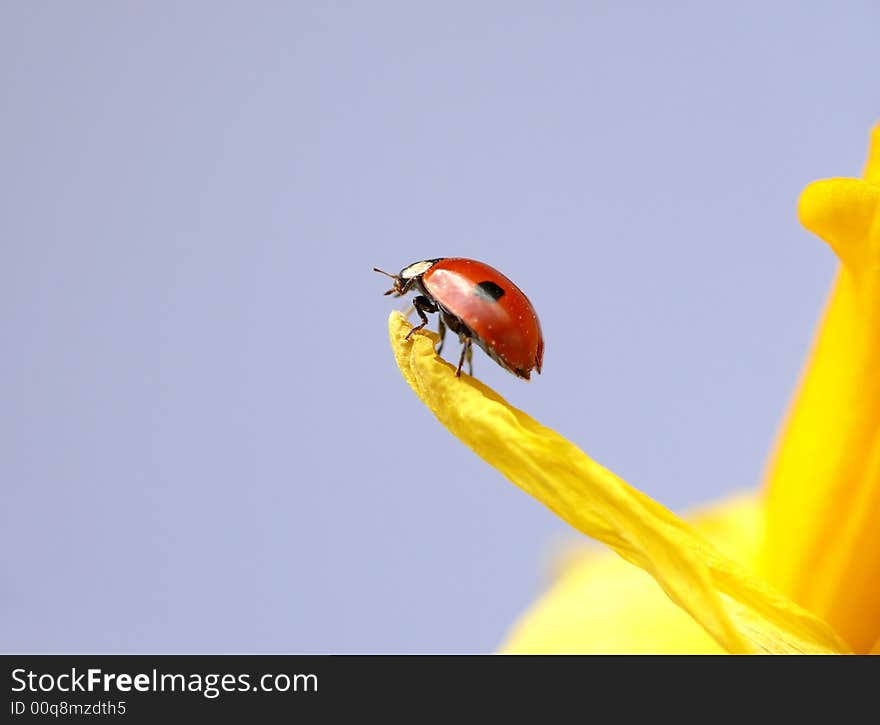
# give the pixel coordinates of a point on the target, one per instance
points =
(470, 358)
(422, 305)
(441, 328)
(465, 352)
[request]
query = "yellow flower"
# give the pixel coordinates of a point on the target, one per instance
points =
(796, 569)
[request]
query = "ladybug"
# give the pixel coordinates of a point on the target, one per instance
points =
(479, 304)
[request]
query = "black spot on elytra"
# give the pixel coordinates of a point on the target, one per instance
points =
(488, 291)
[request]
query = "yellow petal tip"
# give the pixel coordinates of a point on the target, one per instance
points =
(841, 211)
(872, 165)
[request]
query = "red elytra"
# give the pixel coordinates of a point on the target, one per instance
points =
(480, 305)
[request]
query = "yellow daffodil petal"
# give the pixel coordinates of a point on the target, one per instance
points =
(738, 611)
(600, 604)
(823, 484)
(844, 213)
(872, 165)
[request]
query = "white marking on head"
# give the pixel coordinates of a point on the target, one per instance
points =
(414, 270)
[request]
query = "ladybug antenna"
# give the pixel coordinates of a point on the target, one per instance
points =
(387, 274)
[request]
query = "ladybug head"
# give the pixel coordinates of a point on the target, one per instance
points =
(400, 284)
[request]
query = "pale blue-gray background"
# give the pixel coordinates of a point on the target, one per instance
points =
(206, 445)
